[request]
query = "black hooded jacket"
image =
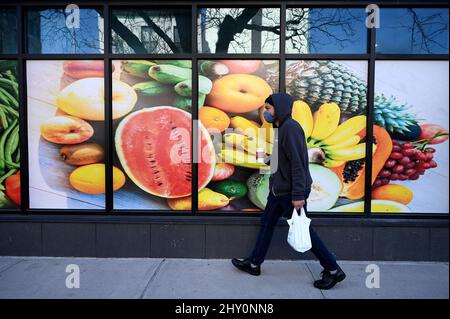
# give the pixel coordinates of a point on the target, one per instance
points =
(290, 173)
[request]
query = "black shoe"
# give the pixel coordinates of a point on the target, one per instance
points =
(329, 280)
(247, 266)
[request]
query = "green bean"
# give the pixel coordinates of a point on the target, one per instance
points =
(12, 165)
(3, 118)
(10, 110)
(8, 96)
(11, 143)
(2, 145)
(9, 173)
(17, 159)
(8, 82)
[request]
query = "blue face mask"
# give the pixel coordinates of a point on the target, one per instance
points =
(268, 117)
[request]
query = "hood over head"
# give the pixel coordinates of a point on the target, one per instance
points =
(282, 104)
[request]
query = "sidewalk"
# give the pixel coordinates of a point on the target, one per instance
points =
(42, 277)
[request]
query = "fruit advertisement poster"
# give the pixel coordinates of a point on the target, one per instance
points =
(233, 115)
(152, 143)
(331, 101)
(65, 104)
(412, 104)
(9, 136)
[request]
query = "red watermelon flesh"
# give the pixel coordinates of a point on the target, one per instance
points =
(154, 148)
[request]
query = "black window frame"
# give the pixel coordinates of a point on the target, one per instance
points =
(109, 213)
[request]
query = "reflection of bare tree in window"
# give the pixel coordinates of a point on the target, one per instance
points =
(159, 24)
(49, 27)
(329, 26)
(230, 23)
(425, 30)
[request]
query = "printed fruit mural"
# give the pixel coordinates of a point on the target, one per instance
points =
(9, 136)
(152, 107)
(66, 133)
(402, 137)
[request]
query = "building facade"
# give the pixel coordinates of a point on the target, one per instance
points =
(133, 129)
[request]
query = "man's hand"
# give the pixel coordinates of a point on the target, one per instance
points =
(298, 204)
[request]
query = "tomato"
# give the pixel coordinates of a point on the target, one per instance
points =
(12, 185)
(242, 66)
(429, 130)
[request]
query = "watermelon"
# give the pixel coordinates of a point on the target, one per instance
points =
(154, 148)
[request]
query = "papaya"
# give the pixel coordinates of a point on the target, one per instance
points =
(138, 68)
(354, 189)
(184, 88)
(152, 88)
(169, 74)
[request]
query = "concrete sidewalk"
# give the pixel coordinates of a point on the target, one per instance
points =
(41, 277)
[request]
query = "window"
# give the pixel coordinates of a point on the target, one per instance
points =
(156, 31)
(411, 117)
(9, 135)
(413, 31)
(238, 30)
(65, 31)
(232, 128)
(153, 138)
(326, 30)
(66, 134)
(8, 31)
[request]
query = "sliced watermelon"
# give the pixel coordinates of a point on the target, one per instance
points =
(154, 148)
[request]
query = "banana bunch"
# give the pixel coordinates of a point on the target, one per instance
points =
(338, 143)
(239, 147)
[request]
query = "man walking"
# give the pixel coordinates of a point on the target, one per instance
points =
(289, 187)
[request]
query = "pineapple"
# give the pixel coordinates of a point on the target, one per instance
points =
(393, 116)
(319, 82)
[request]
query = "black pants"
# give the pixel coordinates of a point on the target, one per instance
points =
(276, 206)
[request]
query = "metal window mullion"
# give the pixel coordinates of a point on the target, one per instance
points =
(194, 108)
(107, 76)
(23, 115)
(282, 50)
(369, 125)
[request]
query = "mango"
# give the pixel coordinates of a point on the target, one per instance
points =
(207, 200)
(90, 179)
(393, 192)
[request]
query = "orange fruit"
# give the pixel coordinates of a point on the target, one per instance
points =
(213, 118)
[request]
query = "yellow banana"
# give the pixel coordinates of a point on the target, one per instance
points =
(345, 130)
(352, 141)
(243, 126)
(349, 154)
(301, 112)
(241, 158)
(247, 143)
(326, 120)
(266, 131)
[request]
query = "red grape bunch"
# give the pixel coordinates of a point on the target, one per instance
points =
(406, 162)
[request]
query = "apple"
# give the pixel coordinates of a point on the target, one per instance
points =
(242, 66)
(430, 130)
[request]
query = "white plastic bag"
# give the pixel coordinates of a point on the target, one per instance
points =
(298, 236)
